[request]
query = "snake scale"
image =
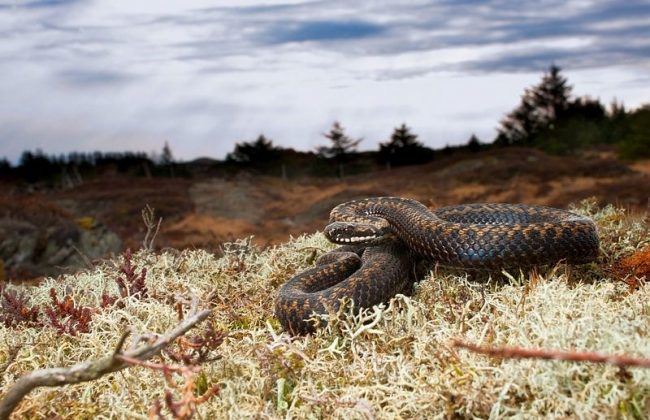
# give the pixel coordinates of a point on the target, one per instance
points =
(384, 239)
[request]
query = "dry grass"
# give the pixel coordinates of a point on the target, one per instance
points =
(389, 362)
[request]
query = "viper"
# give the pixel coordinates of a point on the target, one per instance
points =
(385, 238)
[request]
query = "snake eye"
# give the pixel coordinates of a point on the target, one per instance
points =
(352, 233)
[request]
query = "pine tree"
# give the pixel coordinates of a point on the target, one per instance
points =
(167, 159)
(474, 144)
(403, 148)
(341, 146)
(261, 150)
(551, 97)
(540, 107)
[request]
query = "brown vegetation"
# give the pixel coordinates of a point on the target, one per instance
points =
(206, 212)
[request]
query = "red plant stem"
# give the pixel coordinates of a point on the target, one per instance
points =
(573, 356)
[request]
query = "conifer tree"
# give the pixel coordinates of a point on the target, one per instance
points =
(167, 158)
(473, 144)
(540, 107)
(261, 150)
(341, 146)
(403, 148)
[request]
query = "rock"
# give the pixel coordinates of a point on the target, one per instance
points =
(30, 249)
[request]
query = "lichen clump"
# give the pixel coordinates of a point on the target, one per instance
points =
(393, 361)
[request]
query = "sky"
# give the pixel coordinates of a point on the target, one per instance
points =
(115, 75)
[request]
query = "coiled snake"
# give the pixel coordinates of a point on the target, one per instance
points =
(384, 238)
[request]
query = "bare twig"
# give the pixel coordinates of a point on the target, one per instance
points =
(148, 216)
(572, 356)
(94, 369)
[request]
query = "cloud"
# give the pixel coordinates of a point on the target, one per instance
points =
(87, 74)
(37, 4)
(589, 57)
(94, 78)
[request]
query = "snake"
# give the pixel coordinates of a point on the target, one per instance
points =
(383, 239)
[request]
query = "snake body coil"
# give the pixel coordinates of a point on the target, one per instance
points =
(386, 236)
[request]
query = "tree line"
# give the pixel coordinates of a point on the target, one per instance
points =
(71, 169)
(548, 117)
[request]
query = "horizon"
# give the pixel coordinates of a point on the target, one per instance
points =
(114, 76)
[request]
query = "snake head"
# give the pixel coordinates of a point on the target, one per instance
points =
(356, 233)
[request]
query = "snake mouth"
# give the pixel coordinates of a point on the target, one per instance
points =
(352, 233)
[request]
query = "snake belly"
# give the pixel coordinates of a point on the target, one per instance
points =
(392, 231)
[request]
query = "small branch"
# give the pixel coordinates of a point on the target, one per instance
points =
(572, 356)
(93, 369)
(148, 217)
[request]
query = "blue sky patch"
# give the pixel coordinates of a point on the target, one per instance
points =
(323, 31)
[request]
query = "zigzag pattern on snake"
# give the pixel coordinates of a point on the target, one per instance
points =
(384, 238)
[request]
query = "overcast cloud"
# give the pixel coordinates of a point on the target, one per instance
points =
(123, 75)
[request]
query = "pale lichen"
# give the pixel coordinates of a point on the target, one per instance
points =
(392, 361)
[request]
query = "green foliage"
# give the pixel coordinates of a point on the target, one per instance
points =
(587, 124)
(403, 148)
(569, 135)
(635, 142)
(582, 124)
